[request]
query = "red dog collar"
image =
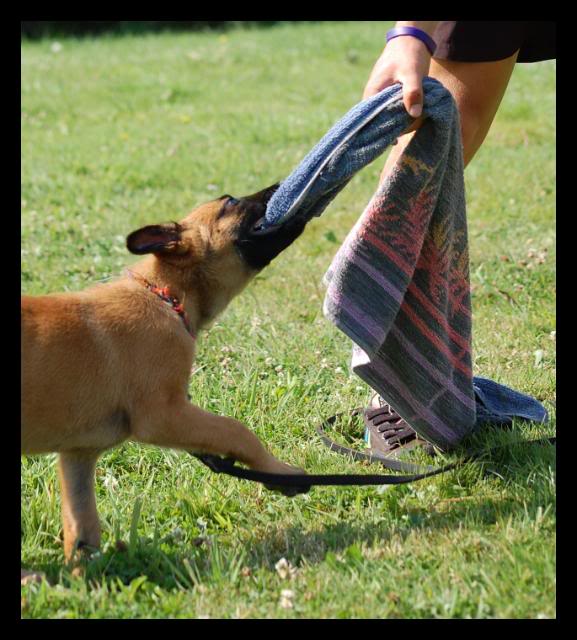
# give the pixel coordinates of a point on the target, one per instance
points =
(164, 294)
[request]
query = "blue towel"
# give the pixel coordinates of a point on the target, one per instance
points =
(498, 404)
(353, 142)
(399, 285)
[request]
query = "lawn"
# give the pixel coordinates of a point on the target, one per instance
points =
(118, 132)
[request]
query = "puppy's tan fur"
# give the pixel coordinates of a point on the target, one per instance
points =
(112, 363)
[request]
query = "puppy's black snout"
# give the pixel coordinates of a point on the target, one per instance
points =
(259, 228)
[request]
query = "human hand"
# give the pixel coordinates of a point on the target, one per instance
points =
(406, 60)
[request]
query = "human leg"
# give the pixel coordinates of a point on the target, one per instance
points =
(478, 88)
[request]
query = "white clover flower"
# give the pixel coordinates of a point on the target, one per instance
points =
(285, 569)
(286, 599)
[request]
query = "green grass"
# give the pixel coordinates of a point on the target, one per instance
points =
(119, 132)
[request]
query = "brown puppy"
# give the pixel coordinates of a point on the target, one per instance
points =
(112, 362)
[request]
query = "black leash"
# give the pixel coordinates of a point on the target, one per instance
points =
(305, 482)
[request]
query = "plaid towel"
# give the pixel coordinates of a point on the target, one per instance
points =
(399, 284)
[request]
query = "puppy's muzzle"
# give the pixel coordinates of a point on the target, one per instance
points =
(259, 244)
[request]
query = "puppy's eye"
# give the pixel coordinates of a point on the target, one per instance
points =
(232, 202)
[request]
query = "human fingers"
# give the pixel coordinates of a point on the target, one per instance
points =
(382, 76)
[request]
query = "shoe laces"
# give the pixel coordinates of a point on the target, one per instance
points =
(392, 428)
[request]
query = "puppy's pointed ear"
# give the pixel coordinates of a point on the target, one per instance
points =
(161, 239)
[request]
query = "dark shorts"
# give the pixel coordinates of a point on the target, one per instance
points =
(487, 41)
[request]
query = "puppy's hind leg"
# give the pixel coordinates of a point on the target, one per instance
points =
(79, 515)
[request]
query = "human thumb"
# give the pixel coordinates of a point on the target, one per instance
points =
(413, 99)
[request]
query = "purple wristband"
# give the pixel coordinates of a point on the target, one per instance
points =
(425, 38)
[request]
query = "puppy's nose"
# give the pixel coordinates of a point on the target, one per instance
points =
(258, 225)
(259, 229)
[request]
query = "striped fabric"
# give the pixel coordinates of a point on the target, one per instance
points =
(399, 284)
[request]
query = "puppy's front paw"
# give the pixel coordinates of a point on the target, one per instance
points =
(289, 490)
